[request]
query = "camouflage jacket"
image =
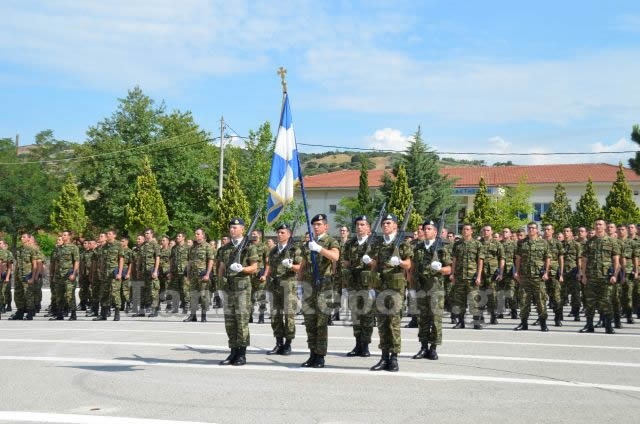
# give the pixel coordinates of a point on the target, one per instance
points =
(67, 255)
(493, 254)
(227, 256)
(111, 254)
(423, 256)
(179, 258)
(325, 266)
(599, 253)
(533, 254)
(277, 271)
(467, 253)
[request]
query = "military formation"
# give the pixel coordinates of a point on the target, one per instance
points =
(382, 273)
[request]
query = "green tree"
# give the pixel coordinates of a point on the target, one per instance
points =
(400, 198)
(587, 209)
(365, 201)
(634, 163)
(484, 209)
(513, 206)
(619, 206)
(559, 213)
(348, 209)
(234, 204)
(68, 209)
(146, 208)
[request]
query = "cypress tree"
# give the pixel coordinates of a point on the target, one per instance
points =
(400, 198)
(68, 209)
(365, 203)
(234, 204)
(587, 209)
(146, 208)
(559, 212)
(634, 163)
(620, 207)
(484, 211)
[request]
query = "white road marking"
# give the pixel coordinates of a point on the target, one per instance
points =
(339, 352)
(48, 417)
(337, 371)
(303, 337)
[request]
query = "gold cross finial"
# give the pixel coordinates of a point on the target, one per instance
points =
(282, 72)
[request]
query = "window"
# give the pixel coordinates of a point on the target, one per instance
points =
(540, 209)
(333, 208)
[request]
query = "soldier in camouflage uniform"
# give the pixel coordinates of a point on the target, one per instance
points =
(83, 278)
(533, 262)
(359, 283)
(97, 273)
(467, 258)
(341, 277)
(56, 301)
(280, 274)
(258, 284)
(6, 270)
(612, 231)
(113, 263)
(177, 274)
(556, 273)
(137, 278)
(200, 271)
(600, 265)
(163, 271)
(25, 276)
(391, 263)
(128, 264)
(572, 251)
(317, 293)
(625, 283)
(493, 269)
(67, 270)
(237, 267)
(39, 281)
(508, 284)
(429, 271)
(150, 257)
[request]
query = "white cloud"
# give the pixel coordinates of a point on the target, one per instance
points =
(388, 139)
(622, 144)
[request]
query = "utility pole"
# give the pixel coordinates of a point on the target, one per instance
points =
(17, 144)
(221, 157)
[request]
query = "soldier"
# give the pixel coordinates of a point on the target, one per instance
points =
(56, 300)
(533, 259)
(257, 283)
(612, 231)
(128, 265)
(390, 262)
(429, 271)
(636, 279)
(340, 278)
(83, 277)
(137, 278)
(625, 292)
(37, 288)
(112, 266)
(97, 273)
(177, 274)
(556, 275)
(493, 270)
(66, 273)
(6, 270)
(163, 270)
(200, 267)
(26, 274)
(600, 265)
(411, 290)
(280, 273)
(150, 257)
(237, 291)
(507, 286)
(467, 258)
(317, 294)
(359, 283)
(572, 253)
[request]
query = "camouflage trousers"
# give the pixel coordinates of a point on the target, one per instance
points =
(508, 291)
(362, 314)
(283, 308)
(466, 291)
(96, 287)
(65, 293)
(163, 280)
(37, 292)
(533, 288)
(635, 295)
(554, 293)
(430, 310)
(598, 296)
(6, 293)
(489, 287)
(316, 307)
(24, 295)
(2, 299)
(56, 298)
(448, 293)
(626, 295)
(237, 303)
(389, 311)
(258, 294)
(151, 292)
(198, 293)
(616, 306)
(574, 290)
(176, 293)
(84, 293)
(112, 293)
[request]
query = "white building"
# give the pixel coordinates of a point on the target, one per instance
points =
(324, 191)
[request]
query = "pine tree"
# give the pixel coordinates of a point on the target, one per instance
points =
(559, 213)
(634, 163)
(68, 209)
(484, 211)
(587, 209)
(400, 198)
(146, 208)
(234, 204)
(620, 207)
(365, 203)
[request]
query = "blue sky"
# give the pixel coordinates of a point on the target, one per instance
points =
(490, 76)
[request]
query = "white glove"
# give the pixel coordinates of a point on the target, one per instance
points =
(314, 246)
(236, 267)
(366, 259)
(345, 293)
(412, 293)
(372, 294)
(299, 292)
(287, 263)
(395, 261)
(436, 266)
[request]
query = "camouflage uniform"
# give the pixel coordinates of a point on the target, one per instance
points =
(110, 293)
(178, 286)
(237, 289)
(38, 283)
(572, 250)
(626, 287)
(25, 292)
(199, 257)
(83, 278)
(125, 291)
(553, 285)
(389, 293)
(493, 254)
(6, 260)
(533, 254)
(57, 300)
(67, 256)
(636, 282)
(149, 251)
(257, 286)
(508, 283)
(136, 283)
(163, 271)
(97, 273)
(430, 291)
(448, 290)
(467, 254)
(282, 285)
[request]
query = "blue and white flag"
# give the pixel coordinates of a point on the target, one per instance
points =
(285, 168)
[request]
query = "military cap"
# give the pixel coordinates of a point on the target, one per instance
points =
(361, 218)
(319, 217)
(390, 217)
(236, 221)
(428, 222)
(283, 226)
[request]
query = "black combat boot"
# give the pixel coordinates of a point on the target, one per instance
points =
(309, 362)
(330, 319)
(616, 321)
(364, 350)
(261, 317)
(18, 316)
(319, 362)
(251, 317)
(116, 314)
(460, 322)
(514, 313)
(494, 318)
(73, 316)
(608, 327)
(537, 322)
(285, 349)
(30, 314)
(575, 311)
(230, 358)
(393, 363)
(191, 318)
(203, 315)
(543, 325)
(277, 348)
(432, 353)
(557, 320)
(422, 352)
(588, 328)
(476, 323)
(524, 325)
(241, 357)
(600, 322)
(413, 323)
(383, 364)
(453, 319)
(102, 316)
(629, 317)
(357, 349)
(127, 307)
(53, 314)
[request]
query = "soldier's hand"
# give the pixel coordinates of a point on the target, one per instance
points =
(452, 278)
(561, 279)
(30, 281)
(478, 281)
(154, 275)
(287, 263)
(72, 277)
(235, 267)
(436, 266)
(516, 276)
(315, 246)
(545, 276)
(366, 259)
(612, 280)
(118, 277)
(394, 261)
(499, 277)
(583, 280)
(372, 294)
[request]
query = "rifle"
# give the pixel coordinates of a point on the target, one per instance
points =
(399, 239)
(372, 236)
(437, 245)
(290, 242)
(245, 240)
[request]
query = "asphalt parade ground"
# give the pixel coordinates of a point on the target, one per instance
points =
(143, 370)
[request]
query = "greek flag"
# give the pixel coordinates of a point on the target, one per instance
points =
(285, 168)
